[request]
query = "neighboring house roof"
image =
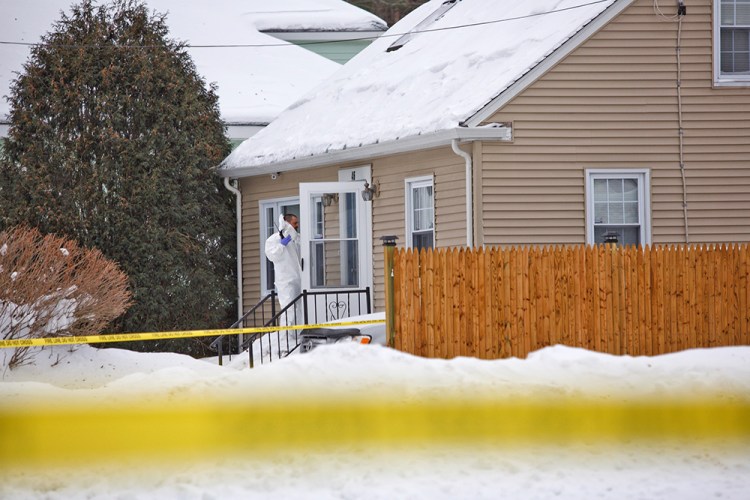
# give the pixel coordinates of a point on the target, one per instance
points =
(439, 85)
(330, 28)
(257, 75)
(313, 16)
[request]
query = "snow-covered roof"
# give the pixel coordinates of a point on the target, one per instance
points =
(316, 15)
(255, 83)
(440, 78)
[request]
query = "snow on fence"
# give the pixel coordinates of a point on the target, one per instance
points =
(502, 302)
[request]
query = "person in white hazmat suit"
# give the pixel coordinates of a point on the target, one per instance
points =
(282, 248)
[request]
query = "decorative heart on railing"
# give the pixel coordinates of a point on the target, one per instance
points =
(337, 309)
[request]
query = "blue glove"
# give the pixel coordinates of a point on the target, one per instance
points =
(285, 241)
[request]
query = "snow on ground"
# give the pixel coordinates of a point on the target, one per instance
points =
(637, 469)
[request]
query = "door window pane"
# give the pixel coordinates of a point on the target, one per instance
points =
(350, 210)
(270, 212)
(334, 247)
(269, 230)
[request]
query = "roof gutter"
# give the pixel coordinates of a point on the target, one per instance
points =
(491, 132)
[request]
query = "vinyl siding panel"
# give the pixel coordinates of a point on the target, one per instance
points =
(612, 103)
(389, 209)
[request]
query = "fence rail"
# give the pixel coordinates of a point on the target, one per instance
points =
(502, 302)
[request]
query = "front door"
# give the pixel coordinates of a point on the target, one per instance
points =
(336, 248)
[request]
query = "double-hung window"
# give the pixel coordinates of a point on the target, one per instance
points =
(270, 210)
(732, 42)
(420, 213)
(617, 206)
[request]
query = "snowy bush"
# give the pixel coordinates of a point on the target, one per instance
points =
(52, 287)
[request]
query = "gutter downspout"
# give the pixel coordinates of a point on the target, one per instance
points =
(238, 201)
(469, 193)
(680, 127)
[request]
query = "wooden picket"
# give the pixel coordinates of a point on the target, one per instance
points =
(501, 302)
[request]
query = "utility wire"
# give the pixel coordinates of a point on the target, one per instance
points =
(354, 39)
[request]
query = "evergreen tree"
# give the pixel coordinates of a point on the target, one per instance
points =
(113, 142)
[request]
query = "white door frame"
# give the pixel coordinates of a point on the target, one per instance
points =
(364, 227)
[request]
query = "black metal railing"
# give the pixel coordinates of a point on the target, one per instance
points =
(279, 342)
(260, 314)
(306, 309)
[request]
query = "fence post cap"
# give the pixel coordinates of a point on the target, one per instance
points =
(389, 241)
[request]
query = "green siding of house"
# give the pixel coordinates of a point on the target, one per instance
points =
(338, 51)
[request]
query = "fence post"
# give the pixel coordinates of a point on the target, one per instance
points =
(389, 245)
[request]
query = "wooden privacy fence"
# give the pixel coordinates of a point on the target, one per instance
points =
(494, 303)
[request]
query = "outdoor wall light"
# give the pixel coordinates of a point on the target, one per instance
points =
(371, 192)
(330, 198)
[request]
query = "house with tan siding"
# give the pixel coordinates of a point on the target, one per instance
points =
(497, 123)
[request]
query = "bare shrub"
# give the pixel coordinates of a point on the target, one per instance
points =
(52, 287)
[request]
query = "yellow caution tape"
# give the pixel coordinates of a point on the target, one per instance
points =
(95, 433)
(128, 337)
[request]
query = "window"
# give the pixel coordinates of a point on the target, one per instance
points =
(420, 213)
(732, 42)
(617, 205)
(270, 210)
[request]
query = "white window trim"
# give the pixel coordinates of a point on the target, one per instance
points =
(738, 80)
(408, 185)
(262, 205)
(644, 194)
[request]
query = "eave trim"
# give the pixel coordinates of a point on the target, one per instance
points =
(414, 143)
